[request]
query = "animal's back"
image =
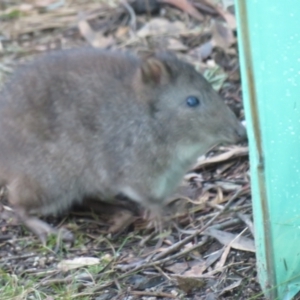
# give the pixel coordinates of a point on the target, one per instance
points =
(62, 116)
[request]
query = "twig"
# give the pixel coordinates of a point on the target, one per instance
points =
(183, 242)
(143, 265)
(247, 221)
(131, 13)
(140, 265)
(162, 273)
(17, 257)
(6, 237)
(153, 294)
(48, 282)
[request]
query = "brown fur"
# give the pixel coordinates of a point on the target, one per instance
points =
(87, 122)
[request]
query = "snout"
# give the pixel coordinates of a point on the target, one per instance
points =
(240, 133)
(235, 132)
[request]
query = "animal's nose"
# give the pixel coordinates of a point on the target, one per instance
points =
(241, 132)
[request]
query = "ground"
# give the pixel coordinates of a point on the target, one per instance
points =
(203, 251)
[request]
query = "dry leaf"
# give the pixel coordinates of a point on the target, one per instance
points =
(122, 32)
(219, 198)
(193, 176)
(227, 3)
(224, 256)
(188, 284)
(208, 296)
(160, 26)
(234, 152)
(246, 219)
(120, 220)
(196, 270)
(78, 262)
(228, 186)
(96, 39)
(175, 45)
(187, 7)
(177, 268)
(216, 76)
(204, 51)
(213, 257)
(228, 17)
(25, 7)
(221, 263)
(232, 286)
(222, 35)
(205, 6)
(150, 7)
(226, 238)
(49, 4)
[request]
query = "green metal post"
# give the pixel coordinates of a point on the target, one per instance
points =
(269, 48)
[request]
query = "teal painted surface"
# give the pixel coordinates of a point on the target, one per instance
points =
(269, 45)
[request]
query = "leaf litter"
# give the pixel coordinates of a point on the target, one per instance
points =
(205, 246)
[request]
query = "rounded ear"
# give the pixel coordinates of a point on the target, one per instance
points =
(154, 71)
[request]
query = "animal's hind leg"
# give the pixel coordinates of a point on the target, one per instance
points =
(37, 226)
(40, 228)
(24, 195)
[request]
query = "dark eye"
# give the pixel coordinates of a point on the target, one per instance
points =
(192, 101)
